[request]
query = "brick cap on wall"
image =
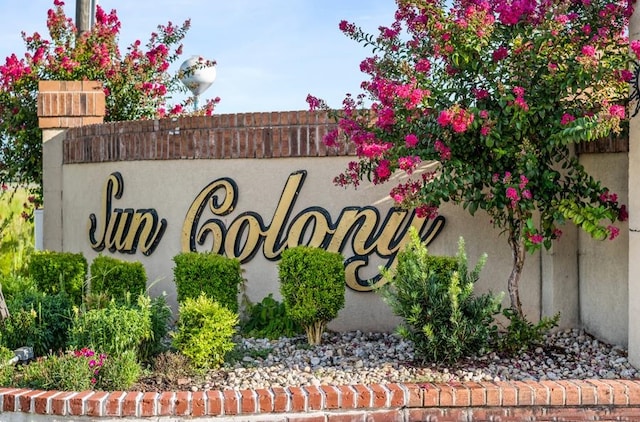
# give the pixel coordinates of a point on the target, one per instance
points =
(573, 400)
(66, 104)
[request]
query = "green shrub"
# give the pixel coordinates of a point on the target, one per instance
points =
(269, 319)
(119, 372)
(54, 272)
(13, 284)
(160, 318)
(114, 329)
(215, 275)
(6, 370)
(16, 233)
(66, 372)
(521, 334)
(38, 320)
(312, 285)
(115, 277)
(434, 296)
(204, 331)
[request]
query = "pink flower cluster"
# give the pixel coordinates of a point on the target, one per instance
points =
(513, 194)
(566, 119)
(459, 119)
(94, 364)
(408, 163)
(535, 238)
(520, 101)
(350, 177)
(443, 150)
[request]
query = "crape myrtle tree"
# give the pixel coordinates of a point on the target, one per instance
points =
(137, 83)
(496, 92)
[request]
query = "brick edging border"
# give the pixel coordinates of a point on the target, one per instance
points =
(516, 400)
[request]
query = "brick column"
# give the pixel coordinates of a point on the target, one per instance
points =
(61, 105)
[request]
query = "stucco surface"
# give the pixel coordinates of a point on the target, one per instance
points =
(171, 186)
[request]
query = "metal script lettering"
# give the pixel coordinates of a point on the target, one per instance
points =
(124, 230)
(360, 228)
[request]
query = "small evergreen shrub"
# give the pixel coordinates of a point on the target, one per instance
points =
(521, 334)
(37, 320)
(114, 329)
(269, 319)
(434, 296)
(115, 277)
(204, 331)
(312, 285)
(215, 275)
(54, 272)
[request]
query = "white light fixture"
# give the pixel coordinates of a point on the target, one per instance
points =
(197, 74)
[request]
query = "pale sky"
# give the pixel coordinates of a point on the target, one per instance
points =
(270, 53)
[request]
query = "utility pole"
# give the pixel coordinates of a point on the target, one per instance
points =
(84, 13)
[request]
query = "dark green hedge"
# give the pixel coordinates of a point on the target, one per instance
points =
(216, 276)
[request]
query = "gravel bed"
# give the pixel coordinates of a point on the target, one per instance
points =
(367, 358)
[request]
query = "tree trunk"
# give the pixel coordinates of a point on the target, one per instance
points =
(518, 253)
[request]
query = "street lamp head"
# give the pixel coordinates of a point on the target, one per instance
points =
(197, 74)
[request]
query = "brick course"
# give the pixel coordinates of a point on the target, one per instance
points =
(242, 135)
(569, 400)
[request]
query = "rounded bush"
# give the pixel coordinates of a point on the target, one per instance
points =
(204, 331)
(312, 284)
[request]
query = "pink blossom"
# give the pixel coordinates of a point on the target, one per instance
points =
(623, 214)
(408, 163)
(617, 111)
(484, 114)
(411, 140)
(557, 233)
(314, 103)
(523, 181)
(347, 28)
(526, 194)
(512, 194)
(386, 118)
(382, 172)
(625, 75)
(423, 66)
(588, 50)
(520, 102)
(373, 150)
(485, 130)
(566, 119)
(507, 177)
(424, 211)
(445, 117)
(331, 139)
(518, 90)
(536, 239)
(443, 150)
(635, 47)
(613, 232)
(499, 54)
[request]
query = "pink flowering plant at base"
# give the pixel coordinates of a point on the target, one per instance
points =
(137, 83)
(495, 92)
